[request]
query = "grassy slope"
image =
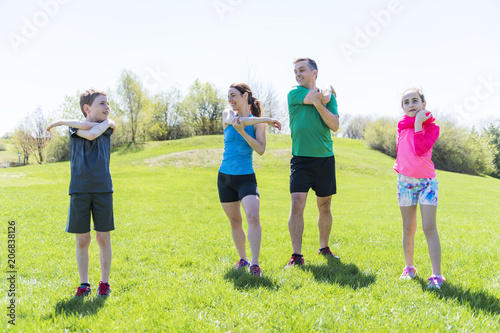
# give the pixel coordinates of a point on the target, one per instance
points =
(173, 253)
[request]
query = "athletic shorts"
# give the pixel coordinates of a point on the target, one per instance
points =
(317, 173)
(417, 190)
(235, 187)
(82, 205)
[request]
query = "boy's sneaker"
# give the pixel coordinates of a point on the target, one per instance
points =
(327, 253)
(435, 282)
(104, 290)
(408, 273)
(255, 270)
(242, 264)
(296, 260)
(82, 291)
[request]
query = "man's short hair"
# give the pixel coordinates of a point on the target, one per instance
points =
(88, 97)
(311, 63)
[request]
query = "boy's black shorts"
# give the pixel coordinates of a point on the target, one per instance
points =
(317, 173)
(235, 187)
(81, 205)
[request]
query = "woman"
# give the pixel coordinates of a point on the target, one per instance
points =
(244, 132)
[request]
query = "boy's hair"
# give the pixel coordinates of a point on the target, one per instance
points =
(415, 90)
(88, 97)
(310, 63)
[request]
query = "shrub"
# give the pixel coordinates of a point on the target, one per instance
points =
(58, 148)
(381, 135)
(461, 150)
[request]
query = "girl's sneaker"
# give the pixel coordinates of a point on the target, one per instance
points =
(408, 273)
(435, 282)
(255, 270)
(242, 264)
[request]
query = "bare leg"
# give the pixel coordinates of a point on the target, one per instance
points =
(431, 234)
(232, 210)
(104, 242)
(251, 204)
(296, 220)
(409, 215)
(324, 220)
(82, 256)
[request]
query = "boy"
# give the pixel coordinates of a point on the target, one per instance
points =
(91, 188)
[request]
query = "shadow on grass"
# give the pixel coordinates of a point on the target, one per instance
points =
(243, 280)
(130, 148)
(80, 307)
(346, 275)
(476, 300)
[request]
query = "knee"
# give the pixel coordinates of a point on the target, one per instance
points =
(83, 241)
(429, 229)
(298, 205)
(103, 238)
(253, 217)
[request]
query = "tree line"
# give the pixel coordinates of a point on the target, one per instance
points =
(140, 116)
(470, 151)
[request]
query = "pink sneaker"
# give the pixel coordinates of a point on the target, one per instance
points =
(408, 273)
(435, 282)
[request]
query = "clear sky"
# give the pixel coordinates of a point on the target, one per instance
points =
(370, 51)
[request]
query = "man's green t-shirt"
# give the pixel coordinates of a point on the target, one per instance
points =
(311, 137)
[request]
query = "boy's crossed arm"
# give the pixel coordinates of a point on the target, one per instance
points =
(86, 129)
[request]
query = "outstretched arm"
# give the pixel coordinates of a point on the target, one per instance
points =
(247, 121)
(96, 131)
(80, 124)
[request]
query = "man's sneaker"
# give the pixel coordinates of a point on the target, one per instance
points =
(327, 253)
(296, 260)
(408, 273)
(435, 282)
(242, 264)
(82, 291)
(255, 270)
(104, 290)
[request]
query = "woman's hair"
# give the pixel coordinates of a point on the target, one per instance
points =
(413, 90)
(255, 105)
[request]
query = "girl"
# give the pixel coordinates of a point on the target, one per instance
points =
(417, 182)
(244, 132)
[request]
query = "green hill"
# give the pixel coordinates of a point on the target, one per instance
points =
(173, 253)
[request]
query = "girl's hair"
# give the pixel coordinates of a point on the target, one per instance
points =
(415, 90)
(255, 104)
(88, 97)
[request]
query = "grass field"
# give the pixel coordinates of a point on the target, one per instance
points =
(174, 257)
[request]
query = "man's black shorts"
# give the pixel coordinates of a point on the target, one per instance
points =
(235, 187)
(317, 173)
(81, 205)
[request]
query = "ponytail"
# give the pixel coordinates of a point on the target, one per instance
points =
(255, 106)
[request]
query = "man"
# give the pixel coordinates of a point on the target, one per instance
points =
(313, 114)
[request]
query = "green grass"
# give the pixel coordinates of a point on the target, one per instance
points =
(173, 252)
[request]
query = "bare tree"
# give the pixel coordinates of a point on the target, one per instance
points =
(31, 135)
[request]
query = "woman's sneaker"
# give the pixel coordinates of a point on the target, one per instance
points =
(104, 290)
(255, 270)
(435, 282)
(242, 264)
(408, 273)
